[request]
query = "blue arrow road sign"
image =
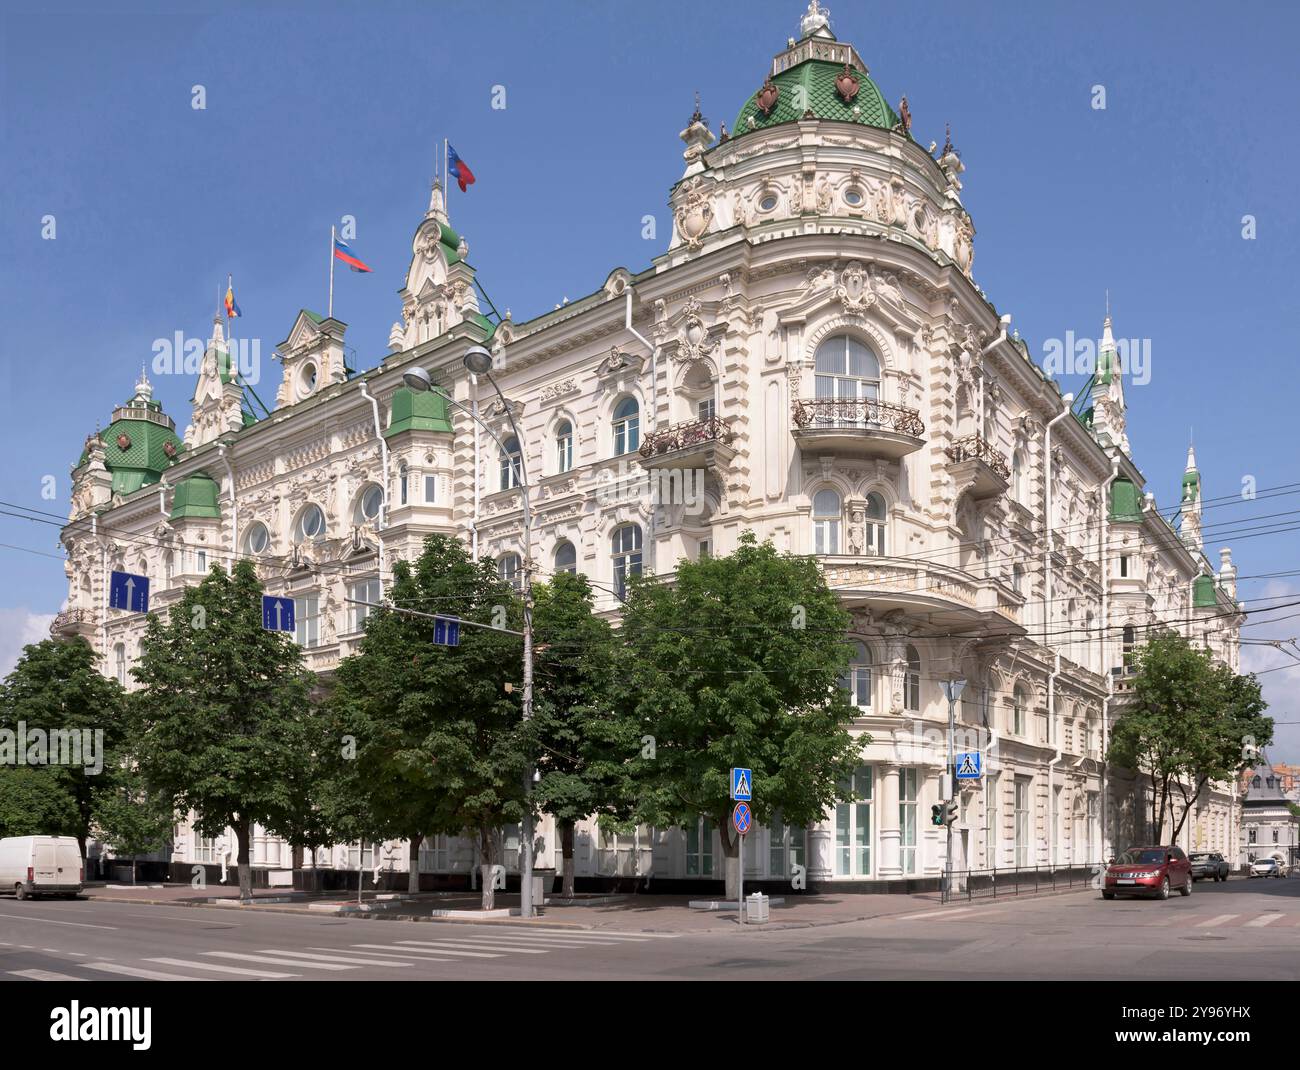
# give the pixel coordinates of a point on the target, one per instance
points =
(128, 591)
(277, 614)
(446, 631)
(742, 784)
(968, 765)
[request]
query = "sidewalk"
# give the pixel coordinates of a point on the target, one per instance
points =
(631, 913)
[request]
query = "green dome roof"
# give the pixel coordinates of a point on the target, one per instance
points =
(810, 86)
(139, 444)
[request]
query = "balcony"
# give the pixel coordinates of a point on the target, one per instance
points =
(860, 427)
(72, 622)
(978, 467)
(698, 444)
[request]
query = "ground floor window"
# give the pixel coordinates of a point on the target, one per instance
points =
(204, 849)
(699, 848)
(361, 853)
(1022, 821)
(785, 849)
(435, 854)
(908, 793)
(853, 826)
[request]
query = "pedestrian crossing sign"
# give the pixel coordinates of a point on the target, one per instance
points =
(742, 784)
(968, 766)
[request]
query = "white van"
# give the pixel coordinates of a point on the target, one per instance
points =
(40, 865)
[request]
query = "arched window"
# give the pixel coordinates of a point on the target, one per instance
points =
(876, 516)
(258, 539)
(912, 681)
(509, 568)
(566, 558)
(119, 663)
(169, 566)
(627, 427)
(846, 368)
(826, 522)
(511, 464)
(1019, 705)
(369, 504)
(563, 446)
(858, 681)
(311, 525)
(402, 481)
(1018, 477)
(625, 554)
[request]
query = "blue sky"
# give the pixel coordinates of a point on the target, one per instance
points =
(318, 110)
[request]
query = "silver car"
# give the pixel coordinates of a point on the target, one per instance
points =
(1267, 867)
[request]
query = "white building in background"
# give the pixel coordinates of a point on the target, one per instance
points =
(813, 347)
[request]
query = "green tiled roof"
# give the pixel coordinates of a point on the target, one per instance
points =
(811, 84)
(1203, 593)
(1125, 504)
(424, 410)
(196, 496)
(144, 458)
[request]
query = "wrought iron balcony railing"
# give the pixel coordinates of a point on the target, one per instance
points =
(66, 618)
(974, 448)
(683, 436)
(812, 414)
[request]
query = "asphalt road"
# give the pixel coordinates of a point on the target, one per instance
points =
(1242, 930)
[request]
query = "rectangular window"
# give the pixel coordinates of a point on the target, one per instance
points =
(306, 613)
(1250, 836)
(1022, 821)
(430, 489)
(564, 453)
(991, 832)
(908, 789)
(706, 409)
(365, 853)
(204, 849)
(201, 562)
(435, 854)
(705, 548)
(362, 591)
(853, 826)
(785, 849)
(1123, 565)
(699, 848)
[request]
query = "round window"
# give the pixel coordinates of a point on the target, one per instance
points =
(853, 196)
(312, 524)
(768, 203)
(308, 378)
(258, 539)
(371, 500)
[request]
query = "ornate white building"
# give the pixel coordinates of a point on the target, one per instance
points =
(811, 358)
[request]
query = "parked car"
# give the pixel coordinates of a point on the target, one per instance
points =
(40, 865)
(1209, 864)
(1148, 871)
(1268, 867)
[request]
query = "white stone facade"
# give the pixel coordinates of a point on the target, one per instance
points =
(811, 346)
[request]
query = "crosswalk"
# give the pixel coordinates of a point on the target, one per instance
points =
(456, 945)
(1156, 917)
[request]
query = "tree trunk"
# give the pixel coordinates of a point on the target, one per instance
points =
(413, 864)
(133, 863)
(487, 892)
(730, 857)
(566, 854)
(295, 858)
(243, 834)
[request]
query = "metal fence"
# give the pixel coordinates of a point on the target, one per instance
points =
(995, 883)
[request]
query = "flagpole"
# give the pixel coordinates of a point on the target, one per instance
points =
(230, 323)
(331, 305)
(446, 205)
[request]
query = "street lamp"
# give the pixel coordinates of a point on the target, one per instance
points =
(952, 689)
(478, 361)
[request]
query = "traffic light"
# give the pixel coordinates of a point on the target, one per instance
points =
(950, 811)
(936, 814)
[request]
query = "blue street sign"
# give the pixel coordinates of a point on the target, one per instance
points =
(446, 631)
(277, 614)
(742, 818)
(968, 765)
(742, 784)
(128, 591)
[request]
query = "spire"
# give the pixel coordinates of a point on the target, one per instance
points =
(143, 388)
(218, 339)
(437, 205)
(816, 22)
(1191, 501)
(1191, 455)
(1109, 412)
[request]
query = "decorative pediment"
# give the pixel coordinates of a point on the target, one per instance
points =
(619, 362)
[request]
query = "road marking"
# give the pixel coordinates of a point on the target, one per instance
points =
(221, 969)
(340, 958)
(546, 941)
(605, 933)
(44, 975)
(438, 949)
(409, 953)
(278, 962)
(1210, 923)
(192, 921)
(135, 971)
(492, 945)
(51, 921)
(927, 914)
(414, 950)
(1261, 921)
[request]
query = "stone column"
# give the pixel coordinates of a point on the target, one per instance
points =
(890, 835)
(820, 845)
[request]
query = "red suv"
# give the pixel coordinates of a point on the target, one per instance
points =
(1150, 871)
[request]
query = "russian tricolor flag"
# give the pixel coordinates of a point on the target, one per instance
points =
(342, 252)
(459, 169)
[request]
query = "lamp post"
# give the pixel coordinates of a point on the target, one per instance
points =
(478, 361)
(952, 689)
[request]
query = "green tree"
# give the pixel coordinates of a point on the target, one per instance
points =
(221, 707)
(739, 662)
(438, 746)
(56, 689)
(129, 820)
(577, 734)
(1190, 721)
